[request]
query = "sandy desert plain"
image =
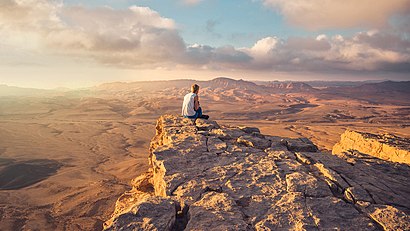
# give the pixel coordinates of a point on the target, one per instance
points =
(66, 155)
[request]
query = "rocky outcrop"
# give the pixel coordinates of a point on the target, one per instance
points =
(206, 176)
(383, 146)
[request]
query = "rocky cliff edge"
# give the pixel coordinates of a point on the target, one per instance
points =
(384, 146)
(213, 177)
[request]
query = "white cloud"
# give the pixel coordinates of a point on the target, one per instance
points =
(264, 46)
(191, 2)
(366, 51)
(325, 14)
(321, 37)
(132, 37)
(140, 37)
(28, 14)
(207, 57)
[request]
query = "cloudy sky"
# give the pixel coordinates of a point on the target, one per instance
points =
(72, 43)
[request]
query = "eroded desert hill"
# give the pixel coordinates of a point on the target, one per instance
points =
(207, 176)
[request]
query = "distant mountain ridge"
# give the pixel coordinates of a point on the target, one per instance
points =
(217, 83)
(325, 84)
(227, 83)
(388, 92)
(403, 86)
(368, 89)
(6, 90)
(293, 86)
(224, 83)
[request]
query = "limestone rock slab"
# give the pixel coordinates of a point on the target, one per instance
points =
(206, 176)
(383, 146)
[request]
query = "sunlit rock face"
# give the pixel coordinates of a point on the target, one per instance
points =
(383, 146)
(206, 176)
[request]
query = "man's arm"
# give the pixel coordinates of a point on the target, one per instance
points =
(196, 103)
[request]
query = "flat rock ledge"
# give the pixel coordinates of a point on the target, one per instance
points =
(206, 176)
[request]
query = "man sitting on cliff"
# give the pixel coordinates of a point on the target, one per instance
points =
(191, 108)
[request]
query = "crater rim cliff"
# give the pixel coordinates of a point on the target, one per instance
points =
(206, 176)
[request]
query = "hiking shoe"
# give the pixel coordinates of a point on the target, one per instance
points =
(205, 117)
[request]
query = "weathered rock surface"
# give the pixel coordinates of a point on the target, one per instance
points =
(153, 213)
(213, 177)
(383, 146)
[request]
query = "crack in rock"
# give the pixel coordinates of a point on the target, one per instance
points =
(181, 218)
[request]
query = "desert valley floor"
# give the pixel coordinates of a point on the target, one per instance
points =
(65, 157)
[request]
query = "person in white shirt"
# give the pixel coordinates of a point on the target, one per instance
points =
(191, 107)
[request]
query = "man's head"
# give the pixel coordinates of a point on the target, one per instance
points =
(195, 88)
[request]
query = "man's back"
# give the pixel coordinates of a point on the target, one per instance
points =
(188, 105)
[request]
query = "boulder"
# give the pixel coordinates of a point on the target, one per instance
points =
(153, 213)
(300, 145)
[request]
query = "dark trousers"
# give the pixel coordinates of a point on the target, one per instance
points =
(198, 113)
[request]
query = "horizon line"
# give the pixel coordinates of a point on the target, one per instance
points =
(189, 79)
